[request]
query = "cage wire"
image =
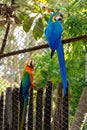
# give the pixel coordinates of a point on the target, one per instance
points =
(42, 110)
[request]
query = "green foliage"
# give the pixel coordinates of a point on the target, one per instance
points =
(23, 15)
(27, 23)
(38, 29)
(3, 83)
(46, 69)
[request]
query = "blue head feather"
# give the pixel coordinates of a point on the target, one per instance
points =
(51, 16)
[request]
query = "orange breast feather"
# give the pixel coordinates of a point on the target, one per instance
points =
(30, 71)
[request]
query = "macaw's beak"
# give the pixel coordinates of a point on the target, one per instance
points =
(31, 63)
(59, 17)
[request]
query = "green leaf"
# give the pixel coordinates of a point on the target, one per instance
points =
(46, 17)
(22, 16)
(27, 24)
(36, 8)
(38, 29)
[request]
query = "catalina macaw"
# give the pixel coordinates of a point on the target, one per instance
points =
(26, 85)
(53, 34)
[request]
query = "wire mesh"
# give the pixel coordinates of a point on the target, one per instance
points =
(47, 108)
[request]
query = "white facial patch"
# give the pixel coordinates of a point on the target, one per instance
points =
(58, 17)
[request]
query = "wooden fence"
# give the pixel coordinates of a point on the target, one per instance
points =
(40, 107)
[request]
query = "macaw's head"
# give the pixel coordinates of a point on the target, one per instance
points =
(30, 64)
(56, 17)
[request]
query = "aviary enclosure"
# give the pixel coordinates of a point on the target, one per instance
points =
(22, 24)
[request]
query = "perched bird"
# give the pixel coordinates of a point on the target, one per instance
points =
(27, 79)
(26, 85)
(53, 33)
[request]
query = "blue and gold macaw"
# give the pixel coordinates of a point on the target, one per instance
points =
(53, 34)
(26, 84)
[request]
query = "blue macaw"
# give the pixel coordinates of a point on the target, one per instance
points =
(26, 84)
(53, 34)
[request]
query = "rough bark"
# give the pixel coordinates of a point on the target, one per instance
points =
(81, 112)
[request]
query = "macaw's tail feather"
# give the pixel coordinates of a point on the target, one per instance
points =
(23, 114)
(23, 117)
(52, 53)
(61, 59)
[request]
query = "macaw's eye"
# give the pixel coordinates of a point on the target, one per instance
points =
(53, 19)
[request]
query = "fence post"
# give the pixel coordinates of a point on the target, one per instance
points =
(8, 110)
(21, 112)
(58, 116)
(30, 111)
(48, 106)
(1, 110)
(66, 111)
(39, 109)
(15, 109)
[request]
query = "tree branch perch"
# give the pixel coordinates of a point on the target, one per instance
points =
(66, 41)
(5, 39)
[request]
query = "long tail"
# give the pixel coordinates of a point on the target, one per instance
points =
(24, 114)
(60, 53)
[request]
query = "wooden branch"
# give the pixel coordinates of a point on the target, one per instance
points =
(66, 41)
(6, 35)
(5, 38)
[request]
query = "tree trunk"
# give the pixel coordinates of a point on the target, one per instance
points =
(81, 112)
(86, 67)
(86, 81)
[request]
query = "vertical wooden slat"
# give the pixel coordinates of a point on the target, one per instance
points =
(39, 109)
(58, 117)
(1, 110)
(66, 111)
(47, 107)
(15, 109)
(21, 112)
(8, 110)
(30, 112)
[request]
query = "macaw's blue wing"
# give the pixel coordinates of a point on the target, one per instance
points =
(53, 33)
(60, 53)
(25, 84)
